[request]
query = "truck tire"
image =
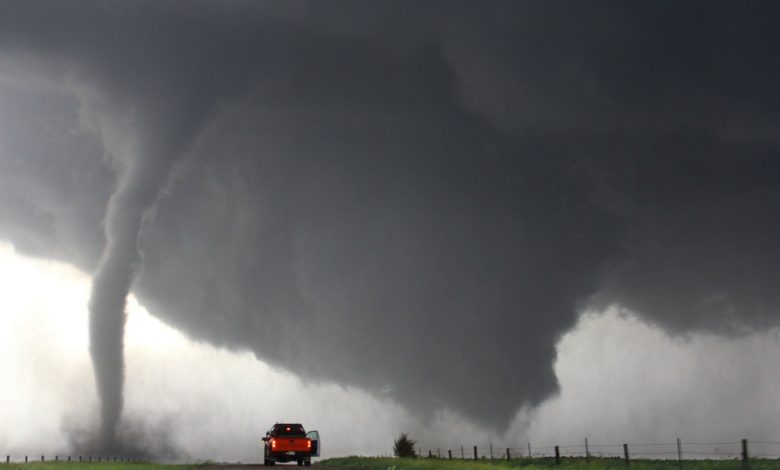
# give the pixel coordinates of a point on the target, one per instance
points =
(300, 462)
(307, 462)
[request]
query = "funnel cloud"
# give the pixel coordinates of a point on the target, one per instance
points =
(416, 199)
(111, 285)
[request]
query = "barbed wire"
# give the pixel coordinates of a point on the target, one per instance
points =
(672, 450)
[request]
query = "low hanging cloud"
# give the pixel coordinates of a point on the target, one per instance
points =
(621, 380)
(418, 203)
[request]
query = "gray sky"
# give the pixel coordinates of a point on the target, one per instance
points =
(416, 200)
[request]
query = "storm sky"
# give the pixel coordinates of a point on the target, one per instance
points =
(413, 200)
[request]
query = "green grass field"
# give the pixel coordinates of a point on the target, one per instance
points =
(383, 463)
(96, 466)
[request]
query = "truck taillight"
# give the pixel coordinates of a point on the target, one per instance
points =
(308, 443)
(273, 443)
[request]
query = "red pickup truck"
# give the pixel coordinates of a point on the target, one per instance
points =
(288, 442)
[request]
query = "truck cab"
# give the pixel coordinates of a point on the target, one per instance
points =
(289, 442)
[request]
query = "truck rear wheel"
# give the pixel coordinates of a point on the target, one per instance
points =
(307, 462)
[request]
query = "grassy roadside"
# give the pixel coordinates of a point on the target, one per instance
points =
(384, 463)
(97, 466)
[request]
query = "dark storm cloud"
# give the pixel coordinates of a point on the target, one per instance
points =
(414, 198)
(146, 119)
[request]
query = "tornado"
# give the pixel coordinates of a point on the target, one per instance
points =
(138, 186)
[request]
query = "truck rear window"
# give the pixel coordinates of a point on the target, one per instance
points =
(288, 430)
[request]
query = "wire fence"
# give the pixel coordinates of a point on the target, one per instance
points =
(679, 450)
(68, 458)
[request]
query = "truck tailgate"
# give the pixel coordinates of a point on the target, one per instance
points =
(290, 444)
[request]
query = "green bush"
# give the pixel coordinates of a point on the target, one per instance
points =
(404, 447)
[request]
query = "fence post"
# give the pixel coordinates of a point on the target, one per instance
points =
(430, 454)
(745, 462)
(475, 452)
(587, 451)
(557, 456)
(529, 450)
(679, 454)
(508, 457)
(25, 459)
(42, 459)
(625, 452)
(491, 451)
(449, 452)
(69, 458)
(462, 453)
(7, 459)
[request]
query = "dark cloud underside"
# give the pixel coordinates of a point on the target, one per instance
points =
(415, 198)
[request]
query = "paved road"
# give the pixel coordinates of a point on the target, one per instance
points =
(259, 466)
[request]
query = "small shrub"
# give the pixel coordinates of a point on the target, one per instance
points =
(404, 447)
